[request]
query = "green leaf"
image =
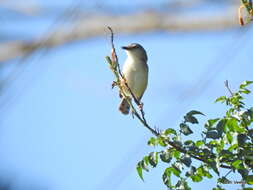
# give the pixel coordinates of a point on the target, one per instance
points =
(160, 141)
(199, 143)
(233, 147)
(186, 160)
(249, 179)
(165, 156)
(231, 125)
(229, 138)
(176, 154)
(245, 83)
(167, 178)
(182, 184)
(144, 163)
(221, 99)
(244, 91)
(185, 129)
(139, 170)
(152, 141)
(175, 170)
(194, 112)
(236, 164)
(153, 159)
(209, 124)
(189, 142)
(196, 178)
(170, 131)
(190, 119)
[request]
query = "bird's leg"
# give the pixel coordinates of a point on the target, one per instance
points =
(140, 106)
(114, 83)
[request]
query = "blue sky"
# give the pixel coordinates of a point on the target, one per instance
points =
(62, 129)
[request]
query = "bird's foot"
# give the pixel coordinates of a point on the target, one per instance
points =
(114, 83)
(140, 106)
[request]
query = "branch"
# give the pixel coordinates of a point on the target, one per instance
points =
(94, 26)
(114, 66)
(228, 88)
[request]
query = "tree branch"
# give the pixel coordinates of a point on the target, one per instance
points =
(94, 25)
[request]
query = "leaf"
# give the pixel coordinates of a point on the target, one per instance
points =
(186, 160)
(175, 170)
(170, 131)
(236, 164)
(182, 184)
(245, 83)
(221, 99)
(153, 159)
(249, 179)
(185, 129)
(190, 119)
(244, 173)
(229, 138)
(176, 154)
(245, 91)
(213, 165)
(220, 127)
(152, 141)
(167, 178)
(211, 122)
(199, 143)
(224, 180)
(139, 170)
(212, 135)
(189, 142)
(233, 147)
(194, 112)
(196, 178)
(144, 163)
(165, 156)
(241, 138)
(160, 141)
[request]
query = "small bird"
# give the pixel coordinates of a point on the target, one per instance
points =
(135, 71)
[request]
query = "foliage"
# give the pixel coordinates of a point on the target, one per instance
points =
(226, 143)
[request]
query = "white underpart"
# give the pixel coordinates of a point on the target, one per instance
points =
(136, 73)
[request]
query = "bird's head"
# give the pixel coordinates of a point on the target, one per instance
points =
(135, 50)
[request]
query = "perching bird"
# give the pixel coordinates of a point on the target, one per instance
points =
(135, 71)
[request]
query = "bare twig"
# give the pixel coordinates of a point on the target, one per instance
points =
(227, 86)
(114, 66)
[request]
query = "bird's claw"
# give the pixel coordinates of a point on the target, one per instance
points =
(140, 106)
(114, 83)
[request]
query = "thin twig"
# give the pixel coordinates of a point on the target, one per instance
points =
(227, 86)
(228, 173)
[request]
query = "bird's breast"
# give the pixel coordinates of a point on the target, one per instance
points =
(136, 74)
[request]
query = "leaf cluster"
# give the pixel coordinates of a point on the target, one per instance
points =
(226, 143)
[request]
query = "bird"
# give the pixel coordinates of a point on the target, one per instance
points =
(135, 73)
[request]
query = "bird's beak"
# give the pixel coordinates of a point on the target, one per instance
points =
(125, 47)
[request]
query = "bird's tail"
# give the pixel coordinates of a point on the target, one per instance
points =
(124, 106)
